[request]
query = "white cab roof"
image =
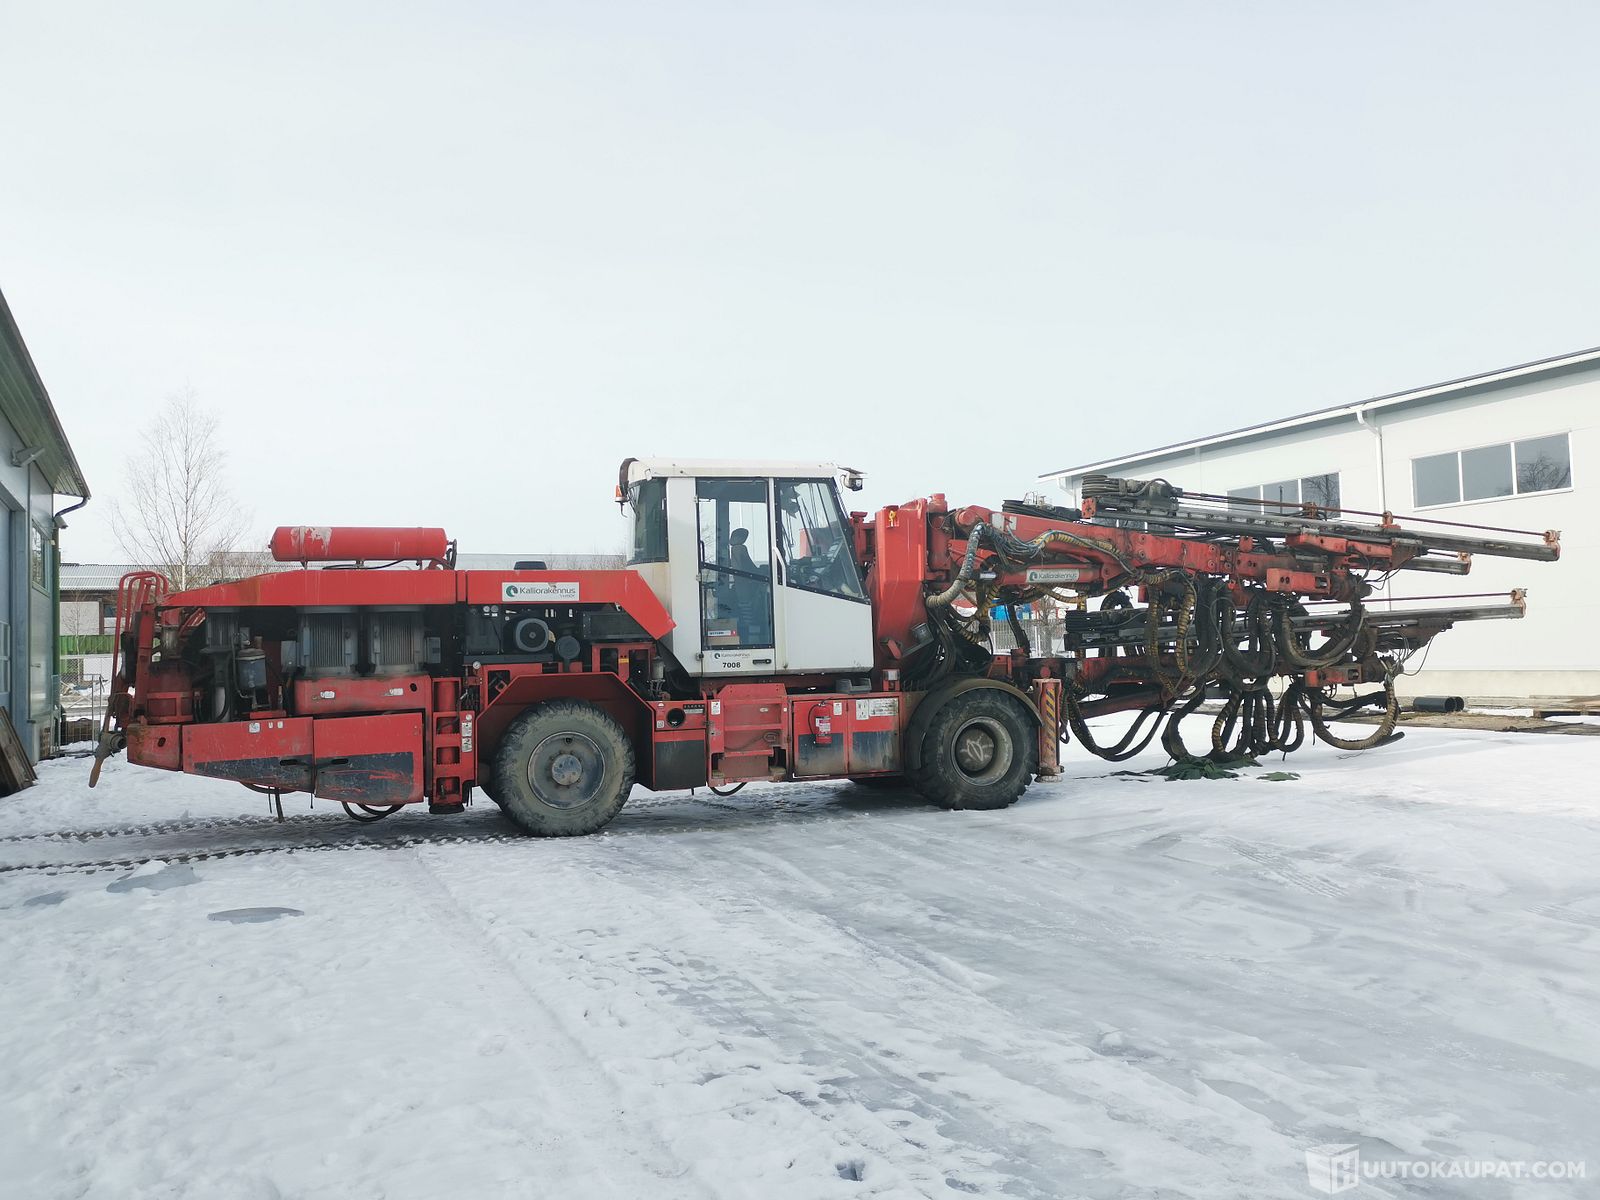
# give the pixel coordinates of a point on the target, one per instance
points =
(735, 468)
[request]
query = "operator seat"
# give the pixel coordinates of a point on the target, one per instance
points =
(749, 591)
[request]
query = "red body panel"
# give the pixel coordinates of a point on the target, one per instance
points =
(389, 693)
(265, 754)
(339, 589)
(322, 588)
(369, 760)
(626, 589)
(899, 545)
(850, 734)
(156, 746)
(746, 723)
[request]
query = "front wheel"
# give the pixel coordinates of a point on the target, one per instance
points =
(981, 751)
(563, 769)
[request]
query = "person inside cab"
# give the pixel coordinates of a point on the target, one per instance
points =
(739, 553)
(748, 592)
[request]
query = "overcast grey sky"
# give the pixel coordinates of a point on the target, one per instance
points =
(449, 263)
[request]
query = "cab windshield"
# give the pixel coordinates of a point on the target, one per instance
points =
(814, 539)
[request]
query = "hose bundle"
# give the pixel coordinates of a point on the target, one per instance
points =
(1197, 635)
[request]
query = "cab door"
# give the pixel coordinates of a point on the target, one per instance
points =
(824, 617)
(734, 576)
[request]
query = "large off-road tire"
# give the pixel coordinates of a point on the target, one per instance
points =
(562, 769)
(981, 751)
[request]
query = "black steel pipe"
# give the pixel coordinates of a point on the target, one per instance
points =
(1438, 704)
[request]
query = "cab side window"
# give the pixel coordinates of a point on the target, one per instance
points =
(649, 521)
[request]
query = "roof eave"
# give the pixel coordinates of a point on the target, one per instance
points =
(57, 462)
(1540, 368)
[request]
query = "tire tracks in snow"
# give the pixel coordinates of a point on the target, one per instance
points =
(1172, 979)
(904, 1092)
(766, 1062)
(583, 1084)
(137, 850)
(1134, 1086)
(186, 841)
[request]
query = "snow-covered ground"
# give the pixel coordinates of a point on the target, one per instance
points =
(1120, 987)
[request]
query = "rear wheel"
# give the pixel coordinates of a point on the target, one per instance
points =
(981, 751)
(563, 769)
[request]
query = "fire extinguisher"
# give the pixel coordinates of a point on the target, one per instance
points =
(821, 725)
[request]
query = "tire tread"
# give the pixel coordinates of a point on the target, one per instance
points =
(940, 781)
(511, 755)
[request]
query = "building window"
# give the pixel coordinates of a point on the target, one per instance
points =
(1488, 472)
(39, 559)
(1321, 490)
(1244, 496)
(1278, 496)
(1436, 479)
(1543, 464)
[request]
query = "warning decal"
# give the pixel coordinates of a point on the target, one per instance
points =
(880, 706)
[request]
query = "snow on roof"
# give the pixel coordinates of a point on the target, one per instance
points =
(1467, 385)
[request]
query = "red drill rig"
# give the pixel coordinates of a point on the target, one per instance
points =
(762, 633)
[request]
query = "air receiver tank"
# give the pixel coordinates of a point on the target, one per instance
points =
(328, 543)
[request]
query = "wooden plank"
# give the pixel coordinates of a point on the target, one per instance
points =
(16, 772)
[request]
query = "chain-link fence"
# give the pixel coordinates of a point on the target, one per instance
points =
(84, 682)
(1044, 632)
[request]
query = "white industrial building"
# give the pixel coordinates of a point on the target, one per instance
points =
(1515, 448)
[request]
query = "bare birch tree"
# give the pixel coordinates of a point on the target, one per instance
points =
(177, 515)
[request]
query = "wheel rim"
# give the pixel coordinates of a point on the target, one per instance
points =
(982, 750)
(566, 770)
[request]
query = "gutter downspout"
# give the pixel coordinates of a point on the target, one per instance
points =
(56, 525)
(1377, 445)
(1376, 431)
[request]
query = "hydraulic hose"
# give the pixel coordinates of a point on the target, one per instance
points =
(1170, 678)
(1391, 717)
(1331, 651)
(1171, 739)
(1261, 657)
(963, 574)
(1125, 749)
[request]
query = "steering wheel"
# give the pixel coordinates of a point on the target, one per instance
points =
(826, 569)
